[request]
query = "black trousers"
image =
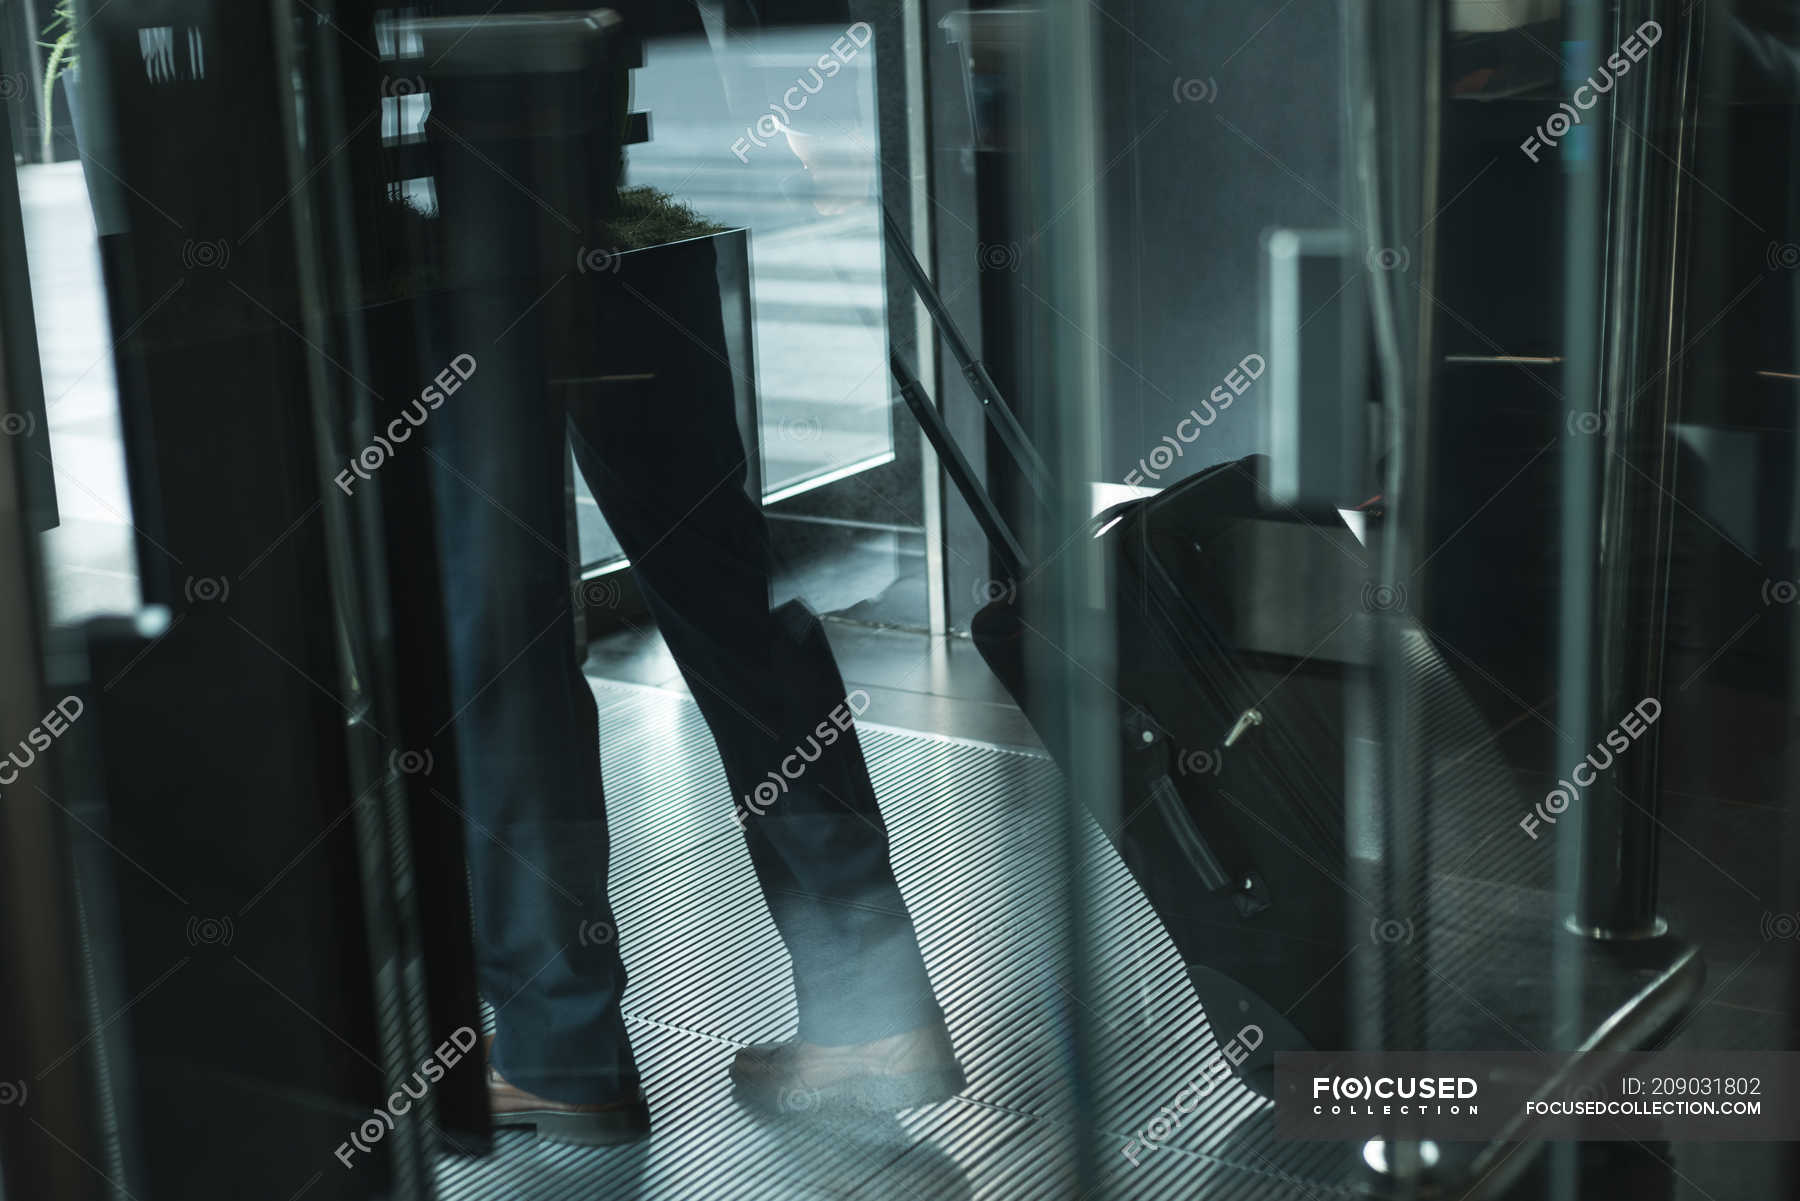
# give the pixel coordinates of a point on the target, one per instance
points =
(664, 459)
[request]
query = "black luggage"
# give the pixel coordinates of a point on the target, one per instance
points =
(1233, 632)
(1235, 627)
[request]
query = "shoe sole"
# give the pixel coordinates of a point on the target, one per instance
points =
(609, 1129)
(863, 1095)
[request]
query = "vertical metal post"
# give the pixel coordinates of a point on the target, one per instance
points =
(357, 559)
(1395, 53)
(1587, 32)
(1062, 201)
(918, 174)
(1789, 900)
(1653, 147)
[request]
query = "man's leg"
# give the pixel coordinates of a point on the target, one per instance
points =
(665, 461)
(525, 721)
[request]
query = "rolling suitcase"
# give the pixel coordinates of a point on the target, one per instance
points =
(1234, 631)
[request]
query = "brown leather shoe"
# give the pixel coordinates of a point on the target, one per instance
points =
(898, 1072)
(603, 1125)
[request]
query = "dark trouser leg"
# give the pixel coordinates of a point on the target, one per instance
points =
(525, 721)
(665, 461)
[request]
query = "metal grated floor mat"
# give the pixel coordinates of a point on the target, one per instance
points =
(973, 828)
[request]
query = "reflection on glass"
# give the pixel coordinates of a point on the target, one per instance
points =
(772, 132)
(90, 559)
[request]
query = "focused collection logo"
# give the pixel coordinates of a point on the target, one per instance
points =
(1341, 1096)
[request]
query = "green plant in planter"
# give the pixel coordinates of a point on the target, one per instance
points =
(62, 57)
(645, 217)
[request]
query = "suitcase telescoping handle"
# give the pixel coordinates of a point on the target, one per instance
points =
(956, 466)
(1012, 435)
